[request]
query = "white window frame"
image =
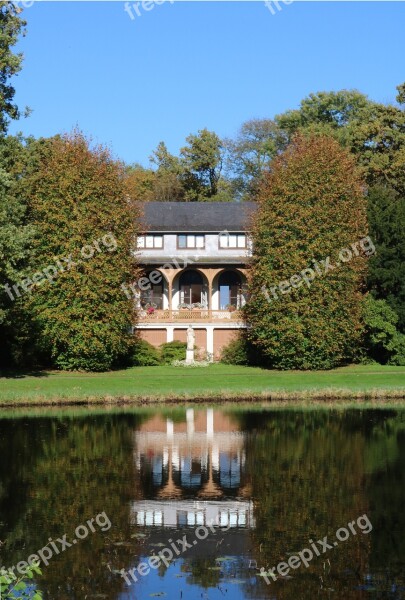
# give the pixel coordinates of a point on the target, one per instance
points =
(194, 241)
(232, 241)
(150, 242)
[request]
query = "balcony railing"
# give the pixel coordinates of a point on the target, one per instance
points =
(183, 315)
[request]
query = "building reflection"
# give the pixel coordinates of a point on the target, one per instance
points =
(192, 472)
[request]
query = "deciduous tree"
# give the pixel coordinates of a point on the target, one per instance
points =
(80, 208)
(311, 205)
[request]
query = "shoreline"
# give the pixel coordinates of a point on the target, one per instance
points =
(304, 398)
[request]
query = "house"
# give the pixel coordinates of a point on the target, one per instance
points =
(195, 257)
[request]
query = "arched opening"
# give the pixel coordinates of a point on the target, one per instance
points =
(191, 285)
(230, 290)
(152, 296)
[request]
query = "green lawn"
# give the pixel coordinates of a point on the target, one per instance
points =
(214, 382)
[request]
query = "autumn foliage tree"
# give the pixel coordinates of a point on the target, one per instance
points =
(311, 205)
(85, 227)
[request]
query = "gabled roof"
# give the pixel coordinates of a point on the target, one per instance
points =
(197, 216)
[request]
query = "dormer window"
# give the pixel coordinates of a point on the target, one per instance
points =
(185, 241)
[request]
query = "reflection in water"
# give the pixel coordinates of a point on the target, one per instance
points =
(270, 481)
(202, 457)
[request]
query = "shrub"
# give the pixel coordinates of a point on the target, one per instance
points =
(145, 355)
(398, 350)
(172, 351)
(383, 343)
(14, 587)
(236, 353)
(240, 352)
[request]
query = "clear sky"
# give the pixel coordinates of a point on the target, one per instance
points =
(178, 68)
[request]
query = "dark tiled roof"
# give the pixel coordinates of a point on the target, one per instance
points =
(197, 216)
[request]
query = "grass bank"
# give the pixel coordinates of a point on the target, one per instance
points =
(214, 383)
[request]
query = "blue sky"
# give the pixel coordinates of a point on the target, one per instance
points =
(181, 67)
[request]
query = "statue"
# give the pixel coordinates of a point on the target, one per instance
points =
(190, 345)
(190, 338)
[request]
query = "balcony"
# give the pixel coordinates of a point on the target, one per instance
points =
(194, 315)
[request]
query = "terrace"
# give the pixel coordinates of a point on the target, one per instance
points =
(193, 315)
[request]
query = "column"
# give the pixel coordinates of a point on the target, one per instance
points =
(210, 341)
(169, 428)
(169, 334)
(190, 421)
(210, 422)
(170, 288)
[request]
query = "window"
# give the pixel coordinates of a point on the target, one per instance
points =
(150, 241)
(230, 290)
(152, 297)
(232, 240)
(191, 241)
(191, 287)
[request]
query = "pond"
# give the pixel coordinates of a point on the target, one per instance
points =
(206, 502)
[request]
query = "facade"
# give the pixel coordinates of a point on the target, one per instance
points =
(195, 257)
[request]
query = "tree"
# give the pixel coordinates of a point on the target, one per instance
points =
(202, 162)
(169, 176)
(11, 26)
(165, 161)
(84, 247)
(195, 175)
(15, 232)
(386, 279)
(332, 110)
(16, 235)
(374, 132)
(383, 342)
(377, 138)
(401, 93)
(140, 183)
(257, 142)
(305, 311)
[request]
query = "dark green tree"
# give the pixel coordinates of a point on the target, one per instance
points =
(386, 279)
(202, 161)
(169, 176)
(383, 342)
(11, 26)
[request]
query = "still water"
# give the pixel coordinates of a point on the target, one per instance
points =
(235, 502)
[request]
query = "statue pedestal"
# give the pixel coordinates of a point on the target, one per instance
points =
(189, 356)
